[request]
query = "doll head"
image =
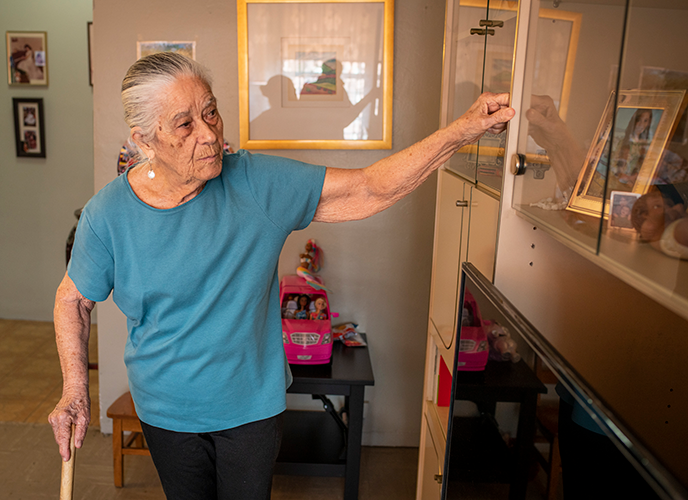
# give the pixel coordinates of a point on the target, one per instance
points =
(653, 212)
(303, 302)
(647, 216)
(320, 304)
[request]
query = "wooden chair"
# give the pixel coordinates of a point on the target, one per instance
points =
(547, 415)
(125, 419)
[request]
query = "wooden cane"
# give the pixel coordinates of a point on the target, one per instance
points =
(67, 482)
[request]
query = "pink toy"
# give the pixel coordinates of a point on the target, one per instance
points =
(320, 309)
(473, 347)
(311, 260)
(306, 341)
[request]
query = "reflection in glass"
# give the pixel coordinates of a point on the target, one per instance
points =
(657, 244)
(481, 61)
(315, 80)
(485, 455)
(620, 144)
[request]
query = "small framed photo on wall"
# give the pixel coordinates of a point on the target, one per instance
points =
(29, 133)
(27, 57)
(187, 49)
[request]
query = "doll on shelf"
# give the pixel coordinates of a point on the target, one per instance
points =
(320, 309)
(660, 218)
(302, 307)
(310, 259)
(310, 262)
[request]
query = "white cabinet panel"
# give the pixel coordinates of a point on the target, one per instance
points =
(430, 488)
(483, 232)
(451, 240)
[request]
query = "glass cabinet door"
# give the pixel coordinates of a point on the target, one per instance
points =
(603, 137)
(646, 183)
(480, 59)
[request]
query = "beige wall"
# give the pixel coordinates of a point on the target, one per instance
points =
(38, 196)
(379, 268)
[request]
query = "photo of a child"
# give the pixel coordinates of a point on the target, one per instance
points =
(620, 210)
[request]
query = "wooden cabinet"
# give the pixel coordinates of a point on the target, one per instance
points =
(466, 229)
(466, 223)
(599, 295)
(478, 53)
(430, 486)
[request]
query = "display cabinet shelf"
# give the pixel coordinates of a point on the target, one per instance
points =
(663, 279)
(620, 140)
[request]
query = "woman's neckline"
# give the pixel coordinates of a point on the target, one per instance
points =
(152, 206)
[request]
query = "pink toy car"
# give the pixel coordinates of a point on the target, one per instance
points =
(473, 345)
(306, 322)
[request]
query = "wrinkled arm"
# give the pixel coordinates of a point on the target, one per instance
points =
(72, 317)
(353, 194)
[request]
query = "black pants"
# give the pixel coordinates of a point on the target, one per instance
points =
(233, 464)
(592, 466)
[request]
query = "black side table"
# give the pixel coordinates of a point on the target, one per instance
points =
(476, 451)
(313, 443)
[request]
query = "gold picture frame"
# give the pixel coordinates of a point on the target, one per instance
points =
(146, 48)
(635, 156)
(27, 57)
(306, 84)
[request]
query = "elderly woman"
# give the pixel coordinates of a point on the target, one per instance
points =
(188, 242)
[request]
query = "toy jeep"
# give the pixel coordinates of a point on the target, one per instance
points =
(306, 322)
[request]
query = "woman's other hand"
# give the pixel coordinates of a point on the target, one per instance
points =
(72, 317)
(73, 408)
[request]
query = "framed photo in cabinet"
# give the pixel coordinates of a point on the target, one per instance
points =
(628, 152)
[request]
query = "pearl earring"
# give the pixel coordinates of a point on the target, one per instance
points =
(151, 174)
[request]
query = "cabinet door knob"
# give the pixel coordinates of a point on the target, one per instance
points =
(461, 203)
(438, 478)
(518, 164)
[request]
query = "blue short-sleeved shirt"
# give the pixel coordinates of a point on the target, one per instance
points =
(198, 284)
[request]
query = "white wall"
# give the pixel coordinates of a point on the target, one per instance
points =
(379, 268)
(38, 196)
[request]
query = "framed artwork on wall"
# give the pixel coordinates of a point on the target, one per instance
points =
(315, 74)
(29, 132)
(187, 49)
(643, 122)
(27, 57)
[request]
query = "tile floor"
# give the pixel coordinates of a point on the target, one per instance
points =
(30, 376)
(30, 386)
(30, 470)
